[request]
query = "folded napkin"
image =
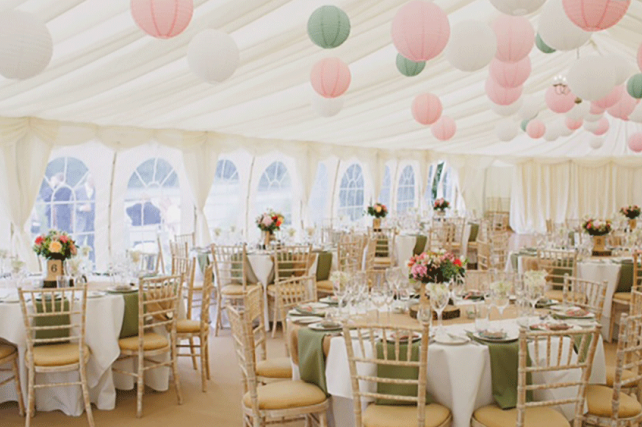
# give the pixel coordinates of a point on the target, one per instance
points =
(398, 372)
(129, 327)
(311, 357)
(420, 244)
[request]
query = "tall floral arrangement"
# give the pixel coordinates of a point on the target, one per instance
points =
(441, 204)
(631, 212)
(436, 267)
(596, 227)
(270, 221)
(55, 245)
(378, 210)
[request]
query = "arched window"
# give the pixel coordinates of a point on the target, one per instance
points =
(224, 201)
(406, 190)
(319, 195)
(152, 203)
(351, 193)
(441, 184)
(386, 187)
(275, 191)
(66, 201)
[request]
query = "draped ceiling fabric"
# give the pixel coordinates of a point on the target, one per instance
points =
(109, 81)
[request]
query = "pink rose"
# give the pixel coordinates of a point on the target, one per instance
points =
(64, 239)
(266, 221)
(419, 270)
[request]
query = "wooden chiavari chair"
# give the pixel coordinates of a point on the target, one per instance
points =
(586, 294)
(621, 302)
(9, 355)
(385, 247)
(350, 252)
(294, 292)
(179, 249)
(558, 264)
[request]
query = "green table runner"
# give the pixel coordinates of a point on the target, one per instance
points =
(420, 244)
(311, 357)
(626, 276)
(398, 372)
(474, 231)
(48, 306)
(129, 327)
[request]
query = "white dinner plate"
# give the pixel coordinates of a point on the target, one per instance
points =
(96, 294)
(451, 339)
(123, 290)
(305, 320)
(510, 337)
(320, 326)
(10, 299)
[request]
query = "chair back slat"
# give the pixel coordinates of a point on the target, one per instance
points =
(558, 263)
(158, 303)
(629, 358)
(350, 252)
(230, 265)
(291, 261)
(254, 311)
(586, 294)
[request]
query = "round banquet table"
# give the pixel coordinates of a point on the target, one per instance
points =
(459, 376)
(103, 324)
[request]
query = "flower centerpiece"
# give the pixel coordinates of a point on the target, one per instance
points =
(632, 212)
(377, 211)
(268, 223)
(56, 247)
(598, 229)
(440, 206)
(436, 267)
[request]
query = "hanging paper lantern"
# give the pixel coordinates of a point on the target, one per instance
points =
(591, 126)
(635, 142)
(591, 78)
(579, 111)
(536, 129)
(636, 115)
(552, 133)
(634, 86)
(596, 143)
(508, 74)
(162, 19)
(593, 117)
(409, 68)
(472, 45)
(543, 47)
(507, 110)
(557, 30)
(330, 77)
(595, 15)
(603, 126)
(596, 109)
(506, 130)
(444, 128)
(517, 7)
(624, 107)
(559, 102)
(502, 95)
(328, 27)
(524, 124)
(530, 108)
(426, 108)
(639, 57)
(213, 55)
(326, 107)
(623, 68)
(609, 100)
(25, 45)
(515, 38)
(420, 30)
(573, 124)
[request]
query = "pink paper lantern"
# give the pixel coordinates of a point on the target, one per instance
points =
(426, 108)
(596, 109)
(611, 99)
(502, 95)
(330, 77)
(444, 128)
(603, 126)
(624, 107)
(559, 102)
(595, 15)
(635, 142)
(510, 74)
(420, 30)
(515, 38)
(162, 19)
(573, 124)
(536, 129)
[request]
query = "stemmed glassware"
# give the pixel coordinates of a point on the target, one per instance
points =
(439, 296)
(458, 289)
(340, 285)
(378, 298)
(499, 296)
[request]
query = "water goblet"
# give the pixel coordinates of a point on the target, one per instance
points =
(439, 295)
(378, 298)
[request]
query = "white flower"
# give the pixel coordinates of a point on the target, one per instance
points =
(340, 277)
(501, 287)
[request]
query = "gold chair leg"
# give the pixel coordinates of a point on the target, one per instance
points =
(176, 379)
(275, 317)
(206, 350)
(203, 365)
(192, 352)
(323, 420)
(611, 325)
(85, 394)
(31, 396)
(219, 309)
(140, 387)
(16, 378)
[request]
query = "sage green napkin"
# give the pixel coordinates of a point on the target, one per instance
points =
(311, 357)
(420, 244)
(398, 372)
(129, 327)
(324, 265)
(48, 305)
(474, 231)
(626, 276)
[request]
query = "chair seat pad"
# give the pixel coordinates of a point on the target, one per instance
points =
(325, 285)
(151, 341)
(278, 367)
(235, 290)
(610, 375)
(286, 394)
(57, 354)
(494, 416)
(623, 296)
(6, 350)
(187, 326)
(404, 415)
(599, 397)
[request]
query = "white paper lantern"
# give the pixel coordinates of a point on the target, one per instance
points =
(623, 68)
(472, 45)
(552, 133)
(596, 142)
(530, 108)
(25, 45)
(326, 107)
(506, 130)
(213, 55)
(591, 126)
(507, 110)
(557, 30)
(636, 115)
(517, 7)
(593, 117)
(580, 111)
(591, 77)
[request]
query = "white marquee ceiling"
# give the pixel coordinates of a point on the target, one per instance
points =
(106, 71)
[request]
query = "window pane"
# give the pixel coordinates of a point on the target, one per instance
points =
(384, 196)
(406, 190)
(224, 201)
(351, 200)
(319, 196)
(274, 191)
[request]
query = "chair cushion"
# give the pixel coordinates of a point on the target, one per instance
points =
(404, 415)
(186, 326)
(6, 350)
(286, 394)
(325, 285)
(57, 354)
(610, 375)
(494, 416)
(278, 367)
(623, 296)
(151, 341)
(235, 290)
(599, 397)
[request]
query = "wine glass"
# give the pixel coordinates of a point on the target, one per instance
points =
(340, 287)
(378, 298)
(499, 296)
(389, 292)
(439, 295)
(533, 292)
(458, 289)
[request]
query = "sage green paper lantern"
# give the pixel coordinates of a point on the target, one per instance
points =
(543, 46)
(634, 86)
(524, 124)
(409, 68)
(328, 27)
